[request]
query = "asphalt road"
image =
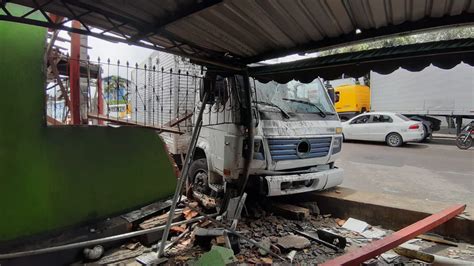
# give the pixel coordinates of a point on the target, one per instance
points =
(436, 171)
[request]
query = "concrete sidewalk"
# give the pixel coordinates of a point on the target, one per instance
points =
(389, 211)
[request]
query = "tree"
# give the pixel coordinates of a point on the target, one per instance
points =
(431, 36)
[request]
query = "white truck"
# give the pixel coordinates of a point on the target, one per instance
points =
(422, 95)
(298, 136)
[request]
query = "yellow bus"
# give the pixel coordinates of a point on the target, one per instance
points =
(352, 100)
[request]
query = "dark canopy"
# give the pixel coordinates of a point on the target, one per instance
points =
(415, 57)
(238, 32)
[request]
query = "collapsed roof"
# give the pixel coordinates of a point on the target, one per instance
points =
(234, 33)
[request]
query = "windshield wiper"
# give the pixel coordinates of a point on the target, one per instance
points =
(321, 112)
(285, 114)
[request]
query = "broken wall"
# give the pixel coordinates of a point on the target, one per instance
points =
(51, 178)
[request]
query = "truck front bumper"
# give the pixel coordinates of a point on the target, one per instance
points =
(299, 183)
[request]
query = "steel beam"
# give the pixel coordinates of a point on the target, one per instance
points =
(100, 97)
(121, 121)
(375, 248)
(74, 75)
(182, 13)
(224, 63)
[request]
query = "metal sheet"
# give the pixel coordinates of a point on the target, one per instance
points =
(244, 31)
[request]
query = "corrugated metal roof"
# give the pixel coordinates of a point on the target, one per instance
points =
(246, 31)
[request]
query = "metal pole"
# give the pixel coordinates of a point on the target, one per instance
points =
(97, 241)
(74, 75)
(184, 173)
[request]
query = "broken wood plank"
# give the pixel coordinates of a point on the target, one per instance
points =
(178, 120)
(150, 238)
(437, 239)
(133, 123)
(375, 248)
(290, 211)
(414, 254)
(51, 121)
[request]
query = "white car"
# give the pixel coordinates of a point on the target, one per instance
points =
(394, 129)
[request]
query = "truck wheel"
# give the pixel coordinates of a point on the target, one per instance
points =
(197, 177)
(394, 140)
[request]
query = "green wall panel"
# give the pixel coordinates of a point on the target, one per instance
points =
(51, 178)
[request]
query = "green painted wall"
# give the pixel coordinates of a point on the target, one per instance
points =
(51, 178)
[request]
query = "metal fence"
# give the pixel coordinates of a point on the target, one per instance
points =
(160, 93)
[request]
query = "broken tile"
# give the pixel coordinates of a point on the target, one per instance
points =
(293, 242)
(373, 233)
(355, 225)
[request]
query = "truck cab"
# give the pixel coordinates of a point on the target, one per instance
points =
(297, 138)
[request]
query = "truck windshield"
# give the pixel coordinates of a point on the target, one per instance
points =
(296, 97)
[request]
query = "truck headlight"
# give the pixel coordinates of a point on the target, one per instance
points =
(336, 145)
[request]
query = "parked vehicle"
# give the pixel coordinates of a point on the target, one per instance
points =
(464, 140)
(391, 128)
(422, 95)
(352, 100)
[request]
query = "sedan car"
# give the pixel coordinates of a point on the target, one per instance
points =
(391, 128)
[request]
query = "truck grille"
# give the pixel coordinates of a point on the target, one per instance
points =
(286, 149)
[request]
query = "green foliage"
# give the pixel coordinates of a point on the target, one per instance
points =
(431, 36)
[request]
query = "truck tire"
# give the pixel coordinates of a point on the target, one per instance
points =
(394, 140)
(198, 177)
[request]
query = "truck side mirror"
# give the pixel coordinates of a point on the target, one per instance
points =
(336, 97)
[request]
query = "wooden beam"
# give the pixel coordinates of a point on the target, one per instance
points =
(53, 122)
(133, 123)
(178, 120)
(378, 247)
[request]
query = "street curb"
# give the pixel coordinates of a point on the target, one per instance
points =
(391, 212)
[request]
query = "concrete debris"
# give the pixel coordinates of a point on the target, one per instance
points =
(373, 233)
(189, 214)
(290, 211)
(93, 253)
(389, 257)
(293, 242)
(340, 222)
(312, 206)
(266, 243)
(132, 246)
(150, 258)
(291, 255)
(268, 260)
(355, 225)
(115, 256)
(295, 234)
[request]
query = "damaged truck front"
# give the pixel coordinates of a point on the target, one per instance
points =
(297, 137)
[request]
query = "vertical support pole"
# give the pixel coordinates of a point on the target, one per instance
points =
(458, 125)
(184, 174)
(74, 75)
(100, 97)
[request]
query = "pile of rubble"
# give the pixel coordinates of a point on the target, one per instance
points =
(272, 233)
